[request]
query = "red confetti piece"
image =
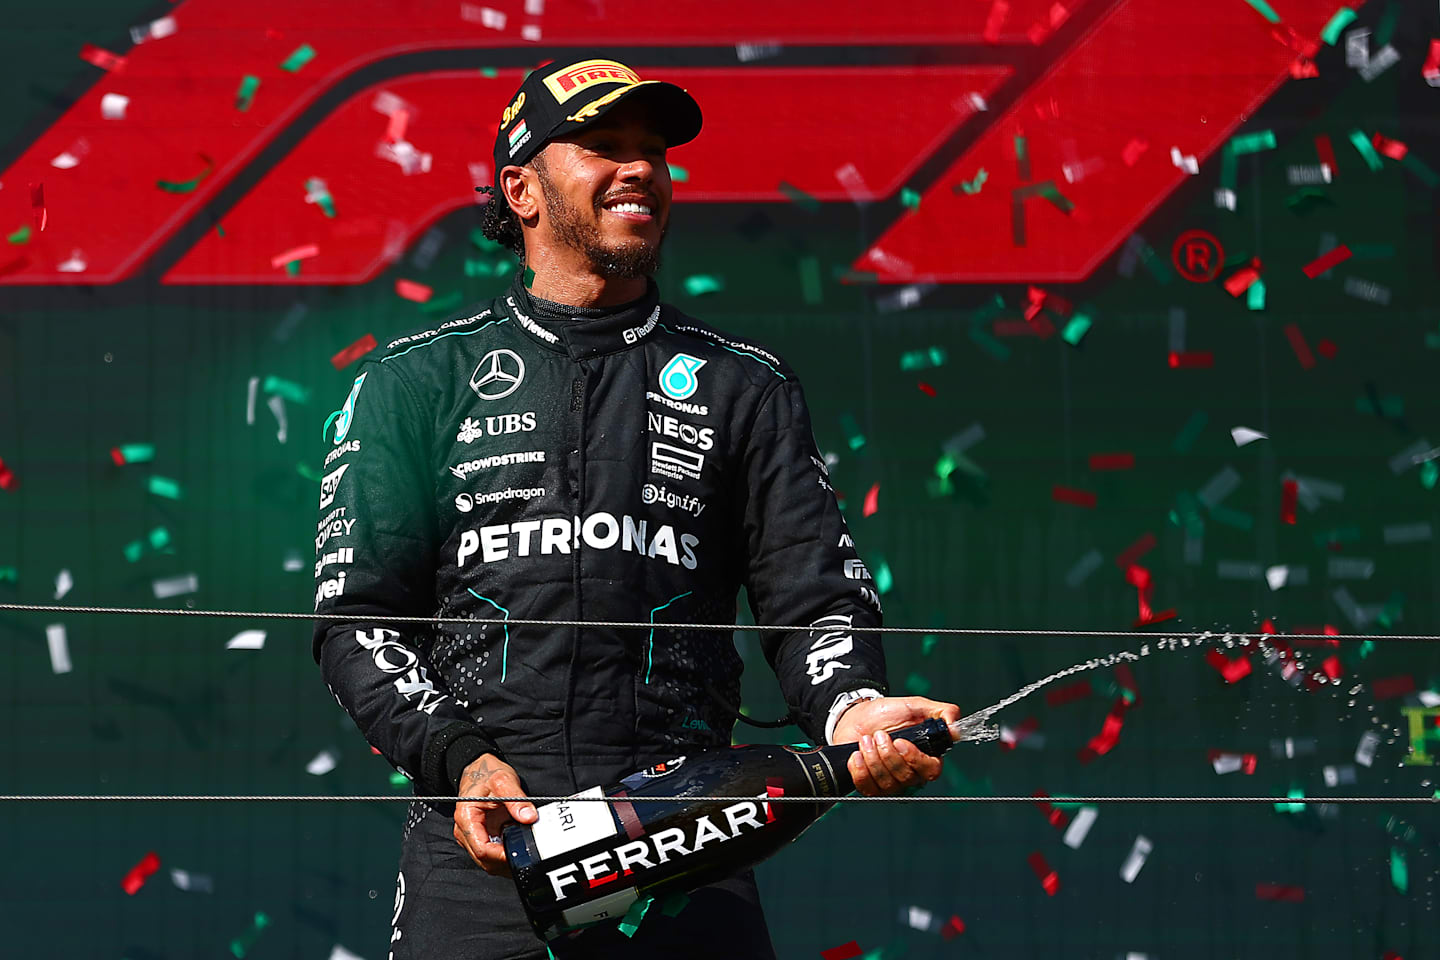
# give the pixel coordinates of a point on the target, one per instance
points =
(1391, 954)
(1029, 726)
(375, 751)
(1298, 344)
(1126, 678)
(1331, 667)
(926, 389)
(1135, 551)
(38, 212)
(7, 477)
(1289, 495)
(354, 352)
(1079, 498)
(1193, 360)
(135, 879)
(1247, 760)
(1326, 260)
(1327, 349)
(1326, 152)
(1394, 149)
(1327, 640)
(1014, 328)
(872, 501)
(1132, 151)
(395, 131)
(1387, 687)
(1244, 278)
(1138, 577)
(1231, 670)
(1112, 461)
(1303, 68)
(1160, 617)
(1057, 817)
(1109, 735)
(953, 928)
(1049, 879)
(843, 952)
(1431, 70)
(101, 58)
(1041, 324)
(297, 253)
(411, 290)
(773, 788)
(1276, 891)
(995, 20)
(1078, 690)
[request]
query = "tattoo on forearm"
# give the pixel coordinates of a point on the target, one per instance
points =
(478, 775)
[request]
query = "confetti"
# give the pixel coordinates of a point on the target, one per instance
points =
(165, 487)
(1365, 749)
(1232, 670)
(1366, 150)
(353, 352)
(853, 437)
(923, 359)
(631, 921)
(1289, 494)
(101, 58)
(64, 583)
(38, 214)
(843, 952)
(1223, 762)
(1247, 143)
(410, 290)
(318, 193)
(188, 186)
(1186, 162)
(1130, 869)
(1341, 19)
(798, 197)
(245, 96)
(1406, 533)
(323, 763)
(1368, 291)
(699, 284)
(112, 106)
(175, 586)
(1298, 344)
(242, 945)
(1049, 879)
(1195, 360)
(276, 403)
(872, 501)
(1083, 568)
(1278, 892)
(132, 453)
(1385, 58)
(1241, 280)
(155, 30)
(1070, 495)
(135, 878)
(973, 185)
(300, 56)
(1431, 68)
(247, 640)
(57, 641)
(8, 480)
(294, 255)
(1076, 329)
(1080, 827)
(192, 882)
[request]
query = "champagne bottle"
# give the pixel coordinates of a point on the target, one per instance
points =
(586, 861)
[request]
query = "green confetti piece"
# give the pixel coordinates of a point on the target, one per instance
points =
(1338, 535)
(973, 185)
(810, 289)
(1158, 266)
(1231, 518)
(923, 359)
(137, 452)
(1422, 171)
(220, 230)
(988, 343)
(165, 487)
(699, 284)
(489, 73)
(1185, 439)
(443, 304)
(187, 186)
(799, 197)
(1255, 296)
(678, 901)
(302, 55)
(1385, 29)
(133, 550)
(20, 236)
(917, 685)
(159, 538)
(10, 574)
(479, 268)
(1391, 612)
(1306, 199)
(1392, 405)
(482, 242)
(1252, 142)
(1295, 794)
(1399, 874)
(1229, 168)
(529, 278)
(927, 643)
(246, 94)
(1366, 150)
(909, 199)
(398, 779)
(634, 915)
(1022, 158)
(1429, 474)
(327, 205)
(307, 471)
(678, 173)
(293, 268)
(1265, 10)
(289, 390)
(853, 437)
(884, 579)
(1341, 19)
(1075, 329)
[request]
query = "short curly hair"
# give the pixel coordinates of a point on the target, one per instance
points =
(499, 223)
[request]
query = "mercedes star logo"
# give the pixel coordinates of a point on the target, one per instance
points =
(498, 375)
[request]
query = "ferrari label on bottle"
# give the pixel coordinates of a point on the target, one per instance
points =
(565, 826)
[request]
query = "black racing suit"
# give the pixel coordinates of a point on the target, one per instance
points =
(621, 465)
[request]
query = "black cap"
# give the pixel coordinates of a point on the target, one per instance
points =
(557, 99)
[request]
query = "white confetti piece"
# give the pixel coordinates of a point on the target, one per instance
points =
(530, 32)
(1086, 565)
(247, 640)
(1367, 290)
(1228, 763)
(340, 953)
(1351, 568)
(1384, 58)
(193, 882)
(1130, 869)
(59, 648)
(1405, 459)
(1365, 750)
(1218, 487)
(1080, 827)
(1406, 533)
(76, 263)
(745, 52)
(293, 562)
(175, 586)
(1185, 162)
(276, 403)
(1292, 747)
(1177, 330)
(250, 401)
(1276, 576)
(964, 440)
(63, 584)
(919, 918)
(904, 298)
(1335, 776)
(1307, 175)
(534, 8)
(485, 16)
(65, 161)
(1357, 47)
(1245, 435)
(324, 762)
(112, 106)
(1429, 698)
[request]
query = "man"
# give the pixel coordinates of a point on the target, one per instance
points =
(580, 452)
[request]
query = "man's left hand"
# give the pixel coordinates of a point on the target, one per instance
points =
(883, 766)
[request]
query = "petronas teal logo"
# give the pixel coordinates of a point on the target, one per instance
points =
(677, 380)
(347, 413)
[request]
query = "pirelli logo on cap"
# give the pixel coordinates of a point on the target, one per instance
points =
(565, 83)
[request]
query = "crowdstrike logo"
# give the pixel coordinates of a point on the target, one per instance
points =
(463, 470)
(598, 531)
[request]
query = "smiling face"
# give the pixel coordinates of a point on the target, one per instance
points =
(605, 194)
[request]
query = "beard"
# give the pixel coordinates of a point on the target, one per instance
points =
(626, 260)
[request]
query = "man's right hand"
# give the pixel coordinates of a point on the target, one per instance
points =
(478, 822)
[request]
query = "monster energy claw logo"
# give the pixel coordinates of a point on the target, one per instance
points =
(677, 379)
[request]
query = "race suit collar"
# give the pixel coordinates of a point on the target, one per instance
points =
(583, 331)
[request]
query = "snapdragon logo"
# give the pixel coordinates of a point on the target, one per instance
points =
(657, 848)
(598, 531)
(465, 502)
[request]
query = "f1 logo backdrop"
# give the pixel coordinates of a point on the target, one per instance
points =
(222, 151)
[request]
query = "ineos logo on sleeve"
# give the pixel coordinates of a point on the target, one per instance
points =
(498, 375)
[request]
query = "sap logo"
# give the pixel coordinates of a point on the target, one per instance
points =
(654, 849)
(393, 657)
(330, 589)
(634, 335)
(330, 483)
(343, 555)
(855, 570)
(834, 641)
(677, 463)
(349, 446)
(598, 531)
(666, 425)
